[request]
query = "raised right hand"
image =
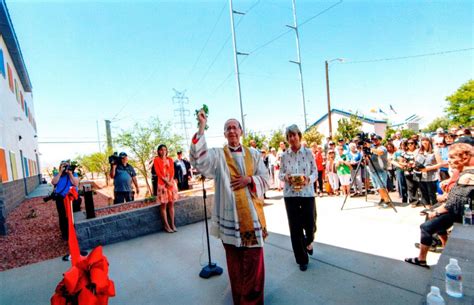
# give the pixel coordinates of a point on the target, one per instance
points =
(202, 118)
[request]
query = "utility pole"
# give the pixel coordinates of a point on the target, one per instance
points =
(298, 61)
(98, 135)
(236, 61)
(109, 136)
(180, 100)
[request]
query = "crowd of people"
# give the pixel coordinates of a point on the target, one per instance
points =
(414, 167)
(436, 172)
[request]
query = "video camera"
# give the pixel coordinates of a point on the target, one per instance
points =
(70, 167)
(365, 139)
(115, 159)
(52, 196)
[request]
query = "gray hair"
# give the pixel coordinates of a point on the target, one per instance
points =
(293, 129)
(352, 144)
(227, 123)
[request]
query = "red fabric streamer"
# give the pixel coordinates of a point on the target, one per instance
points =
(87, 281)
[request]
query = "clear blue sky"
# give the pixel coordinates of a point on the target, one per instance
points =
(88, 60)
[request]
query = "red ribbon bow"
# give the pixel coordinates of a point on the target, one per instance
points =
(87, 281)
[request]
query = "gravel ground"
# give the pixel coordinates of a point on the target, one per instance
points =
(35, 239)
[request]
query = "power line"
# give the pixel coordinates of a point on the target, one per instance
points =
(226, 41)
(289, 30)
(207, 40)
(68, 142)
(270, 42)
(409, 56)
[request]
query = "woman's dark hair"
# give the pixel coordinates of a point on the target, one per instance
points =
(404, 145)
(161, 146)
(422, 148)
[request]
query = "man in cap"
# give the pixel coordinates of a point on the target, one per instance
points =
(240, 179)
(123, 174)
(439, 137)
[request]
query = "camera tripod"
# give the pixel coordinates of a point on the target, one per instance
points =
(358, 168)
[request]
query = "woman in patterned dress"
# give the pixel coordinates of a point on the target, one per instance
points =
(167, 189)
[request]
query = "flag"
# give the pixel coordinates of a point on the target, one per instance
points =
(393, 110)
(381, 111)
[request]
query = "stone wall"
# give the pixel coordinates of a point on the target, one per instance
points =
(14, 191)
(12, 195)
(3, 213)
(130, 224)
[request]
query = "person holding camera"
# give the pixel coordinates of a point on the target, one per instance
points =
(63, 181)
(378, 168)
(123, 174)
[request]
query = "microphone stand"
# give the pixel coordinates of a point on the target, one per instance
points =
(211, 268)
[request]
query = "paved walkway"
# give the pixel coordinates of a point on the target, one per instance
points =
(358, 259)
(42, 190)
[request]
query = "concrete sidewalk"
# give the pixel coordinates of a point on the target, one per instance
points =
(42, 190)
(163, 268)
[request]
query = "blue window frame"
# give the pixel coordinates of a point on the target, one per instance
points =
(2, 64)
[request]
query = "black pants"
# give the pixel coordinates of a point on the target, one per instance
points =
(183, 184)
(121, 197)
(391, 180)
(436, 225)
(320, 181)
(301, 212)
(412, 185)
(428, 192)
(402, 185)
(154, 182)
(63, 226)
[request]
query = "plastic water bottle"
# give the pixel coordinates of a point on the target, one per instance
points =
(467, 220)
(434, 297)
(453, 279)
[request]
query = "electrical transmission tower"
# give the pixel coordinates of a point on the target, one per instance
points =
(182, 113)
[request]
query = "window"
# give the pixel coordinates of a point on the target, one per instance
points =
(17, 93)
(3, 166)
(13, 165)
(27, 170)
(10, 77)
(2, 64)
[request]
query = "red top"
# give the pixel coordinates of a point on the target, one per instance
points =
(318, 158)
(164, 169)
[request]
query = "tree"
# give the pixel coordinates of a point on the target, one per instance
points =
(460, 107)
(143, 140)
(313, 135)
(443, 122)
(259, 139)
(348, 128)
(96, 163)
(405, 133)
(277, 136)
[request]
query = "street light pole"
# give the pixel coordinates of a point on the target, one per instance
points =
(329, 99)
(329, 94)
